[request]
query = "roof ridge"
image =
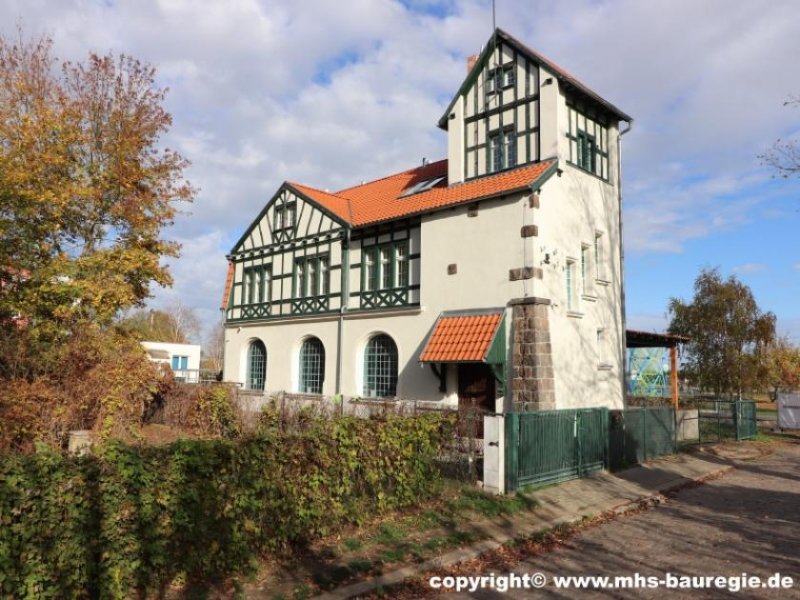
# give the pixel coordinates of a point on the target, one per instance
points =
(559, 70)
(347, 201)
(316, 189)
(358, 185)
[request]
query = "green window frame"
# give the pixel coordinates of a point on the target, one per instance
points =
(256, 285)
(401, 260)
(256, 365)
(586, 152)
(284, 216)
(311, 276)
(312, 366)
(385, 266)
(385, 253)
(380, 367)
(502, 149)
(588, 141)
(500, 78)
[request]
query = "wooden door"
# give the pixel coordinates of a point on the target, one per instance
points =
(476, 395)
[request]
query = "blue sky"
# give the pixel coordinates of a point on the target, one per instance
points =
(332, 92)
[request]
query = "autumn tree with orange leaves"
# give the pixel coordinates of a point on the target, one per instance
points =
(85, 187)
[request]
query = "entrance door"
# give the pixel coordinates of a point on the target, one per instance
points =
(476, 395)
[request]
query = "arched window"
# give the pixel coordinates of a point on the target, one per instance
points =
(256, 365)
(380, 367)
(312, 366)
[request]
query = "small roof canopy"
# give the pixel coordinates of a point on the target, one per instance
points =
(645, 339)
(465, 336)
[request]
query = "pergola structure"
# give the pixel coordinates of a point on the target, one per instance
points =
(644, 339)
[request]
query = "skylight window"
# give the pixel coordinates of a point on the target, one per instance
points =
(423, 186)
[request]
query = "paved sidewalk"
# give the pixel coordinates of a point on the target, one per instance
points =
(562, 504)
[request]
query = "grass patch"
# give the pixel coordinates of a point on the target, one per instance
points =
(391, 555)
(360, 565)
(492, 506)
(353, 544)
(389, 533)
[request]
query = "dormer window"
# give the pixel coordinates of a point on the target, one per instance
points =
(423, 186)
(502, 150)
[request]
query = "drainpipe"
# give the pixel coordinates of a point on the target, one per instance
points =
(624, 374)
(345, 291)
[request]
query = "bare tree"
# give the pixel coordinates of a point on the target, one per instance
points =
(214, 348)
(185, 322)
(784, 156)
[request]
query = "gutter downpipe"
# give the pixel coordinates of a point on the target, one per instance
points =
(345, 290)
(624, 374)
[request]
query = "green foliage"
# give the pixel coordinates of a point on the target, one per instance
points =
(728, 334)
(131, 519)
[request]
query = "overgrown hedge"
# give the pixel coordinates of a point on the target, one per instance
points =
(130, 520)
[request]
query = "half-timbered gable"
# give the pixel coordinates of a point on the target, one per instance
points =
(507, 113)
(288, 262)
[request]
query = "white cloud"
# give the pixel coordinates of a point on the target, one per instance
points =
(647, 322)
(749, 268)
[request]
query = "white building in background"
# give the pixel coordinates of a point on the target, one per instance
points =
(183, 359)
(492, 277)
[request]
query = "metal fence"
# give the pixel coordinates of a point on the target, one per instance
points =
(640, 433)
(554, 445)
(719, 420)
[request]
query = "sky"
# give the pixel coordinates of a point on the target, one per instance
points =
(333, 92)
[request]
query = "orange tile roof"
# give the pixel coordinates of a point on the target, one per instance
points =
(228, 283)
(383, 200)
(337, 205)
(461, 338)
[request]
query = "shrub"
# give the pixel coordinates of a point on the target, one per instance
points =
(134, 519)
(99, 380)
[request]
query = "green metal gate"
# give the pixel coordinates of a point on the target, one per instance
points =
(639, 434)
(555, 445)
(746, 420)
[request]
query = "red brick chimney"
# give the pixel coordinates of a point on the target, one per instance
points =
(471, 60)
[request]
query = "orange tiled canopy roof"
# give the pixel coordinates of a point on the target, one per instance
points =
(383, 199)
(462, 337)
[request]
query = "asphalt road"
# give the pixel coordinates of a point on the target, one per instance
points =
(748, 521)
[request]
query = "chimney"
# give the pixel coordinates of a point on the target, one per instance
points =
(471, 60)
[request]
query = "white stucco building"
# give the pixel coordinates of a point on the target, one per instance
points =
(183, 359)
(491, 277)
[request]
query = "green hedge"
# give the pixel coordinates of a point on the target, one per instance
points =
(129, 520)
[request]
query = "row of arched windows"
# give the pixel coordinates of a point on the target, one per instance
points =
(380, 365)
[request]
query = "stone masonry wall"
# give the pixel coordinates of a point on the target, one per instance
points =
(532, 379)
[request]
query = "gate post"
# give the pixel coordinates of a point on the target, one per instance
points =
(512, 452)
(494, 454)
